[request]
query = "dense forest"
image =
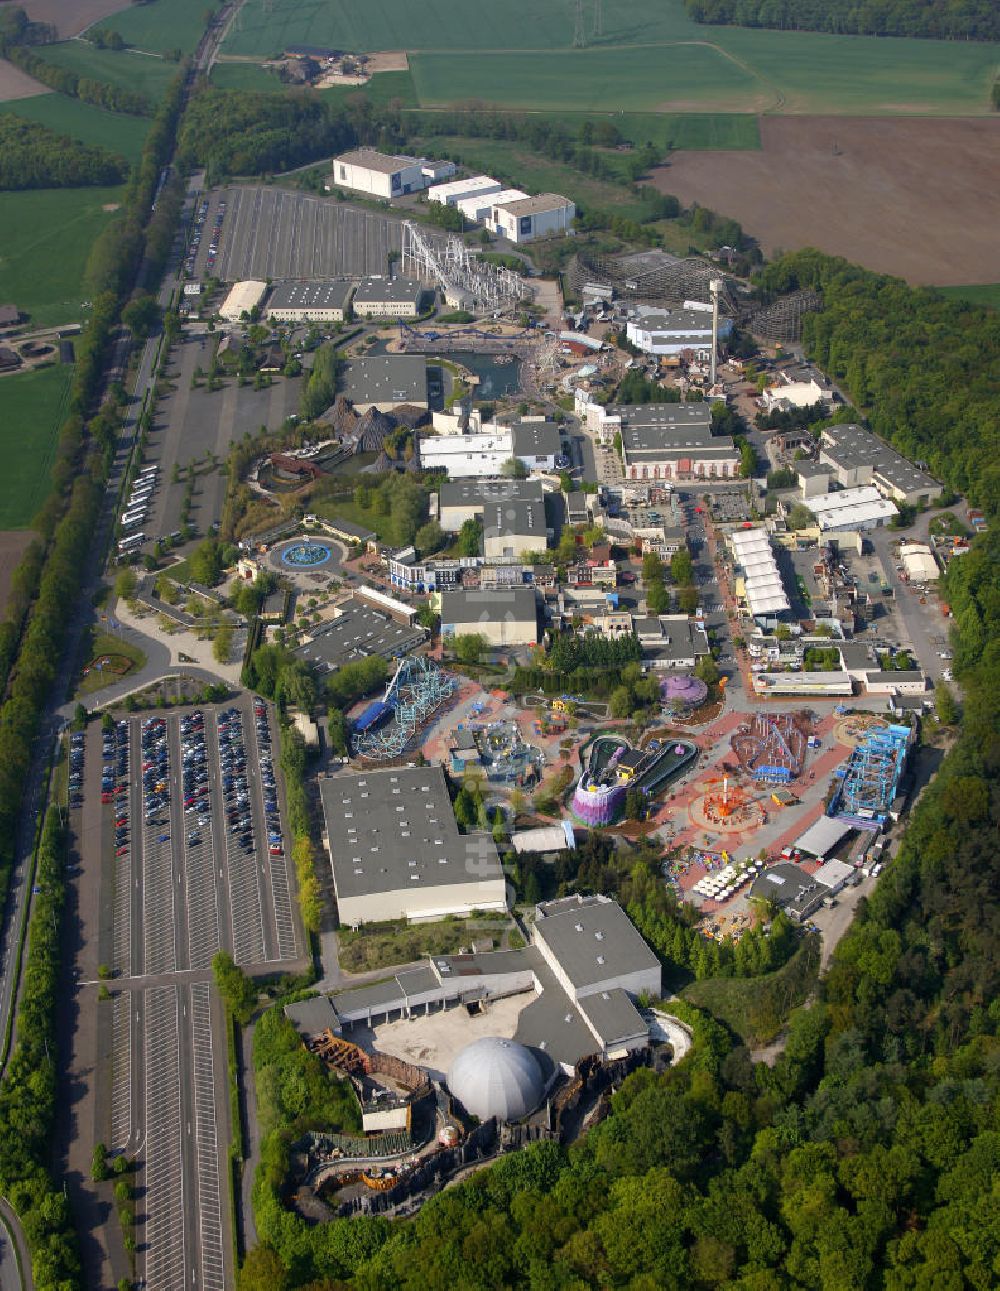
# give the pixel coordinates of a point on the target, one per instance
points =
(33, 156)
(942, 19)
(922, 368)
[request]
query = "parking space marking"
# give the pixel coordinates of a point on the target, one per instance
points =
(122, 923)
(199, 847)
(165, 1256)
(121, 1070)
(244, 892)
(281, 900)
(213, 1271)
(159, 923)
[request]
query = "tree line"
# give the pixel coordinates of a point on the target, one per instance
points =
(33, 156)
(934, 19)
(102, 94)
(920, 367)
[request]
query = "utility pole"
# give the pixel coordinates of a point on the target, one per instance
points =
(579, 34)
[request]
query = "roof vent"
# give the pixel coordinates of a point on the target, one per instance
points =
(600, 959)
(599, 936)
(579, 927)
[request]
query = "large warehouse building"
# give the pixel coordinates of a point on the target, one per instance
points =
(379, 174)
(857, 457)
(381, 297)
(672, 331)
(462, 500)
(386, 381)
(673, 441)
(526, 218)
(502, 618)
(243, 297)
(309, 302)
(396, 852)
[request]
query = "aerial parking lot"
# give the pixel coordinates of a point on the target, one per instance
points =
(180, 818)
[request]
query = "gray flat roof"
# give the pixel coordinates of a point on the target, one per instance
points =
(313, 1017)
(612, 1015)
(516, 517)
(395, 829)
(536, 205)
(378, 288)
(383, 163)
(688, 415)
(381, 378)
(467, 608)
(464, 493)
(536, 439)
(582, 933)
(851, 446)
(357, 632)
(686, 320)
(310, 295)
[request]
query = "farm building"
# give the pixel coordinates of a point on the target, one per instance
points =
(524, 219)
(309, 302)
(386, 381)
(457, 190)
(378, 174)
(503, 618)
(242, 299)
(396, 851)
(381, 297)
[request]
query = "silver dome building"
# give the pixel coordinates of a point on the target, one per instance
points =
(494, 1077)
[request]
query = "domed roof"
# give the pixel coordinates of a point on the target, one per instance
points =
(494, 1077)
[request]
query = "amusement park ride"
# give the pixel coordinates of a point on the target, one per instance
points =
(722, 805)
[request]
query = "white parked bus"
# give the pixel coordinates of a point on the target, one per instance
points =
(130, 543)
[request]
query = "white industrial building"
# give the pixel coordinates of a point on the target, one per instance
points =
(919, 563)
(502, 618)
(458, 190)
(795, 394)
(309, 302)
(753, 556)
(672, 331)
(526, 218)
(534, 442)
(379, 174)
(478, 207)
(242, 298)
(861, 508)
(396, 851)
(820, 684)
(467, 456)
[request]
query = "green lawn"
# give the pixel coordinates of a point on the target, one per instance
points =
(32, 408)
(160, 25)
(83, 121)
(652, 58)
(47, 238)
(143, 73)
(98, 643)
(976, 294)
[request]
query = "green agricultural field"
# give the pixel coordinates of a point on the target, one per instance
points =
(47, 237)
(651, 58)
(732, 131)
(982, 294)
(160, 25)
(382, 89)
(144, 73)
(245, 76)
(32, 408)
(83, 121)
